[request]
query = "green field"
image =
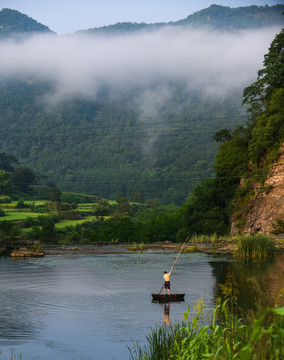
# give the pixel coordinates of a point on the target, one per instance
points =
(18, 215)
(64, 223)
(14, 214)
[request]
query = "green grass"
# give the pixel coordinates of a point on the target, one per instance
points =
(13, 214)
(8, 206)
(35, 202)
(18, 216)
(86, 206)
(13, 204)
(63, 223)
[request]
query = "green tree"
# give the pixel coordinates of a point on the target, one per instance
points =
(223, 135)
(268, 132)
(269, 79)
(124, 207)
(124, 229)
(138, 196)
(232, 159)
(266, 100)
(55, 195)
(5, 183)
(9, 229)
(7, 162)
(48, 231)
(207, 209)
(104, 208)
(22, 178)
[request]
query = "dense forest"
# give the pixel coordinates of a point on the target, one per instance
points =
(214, 17)
(245, 153)
(13, 22)
(105, 146)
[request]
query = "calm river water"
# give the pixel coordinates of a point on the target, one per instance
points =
(90, 307)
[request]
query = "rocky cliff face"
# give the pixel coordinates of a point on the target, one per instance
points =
(266, 207)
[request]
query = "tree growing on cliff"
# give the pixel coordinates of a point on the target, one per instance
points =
(265, 98)
(244, 151)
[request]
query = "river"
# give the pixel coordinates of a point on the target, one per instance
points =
(91, 307)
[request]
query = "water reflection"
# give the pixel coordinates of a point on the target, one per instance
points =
(85, 307)
(259, 282)
(167, 314)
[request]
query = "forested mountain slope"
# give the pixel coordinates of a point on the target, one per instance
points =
(104, 148)
(214, 17)
(13, 22)
(226, 18)
(247, 194)
(143, 128)
(258, 205)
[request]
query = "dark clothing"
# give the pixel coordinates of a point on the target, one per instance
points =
(167, 285)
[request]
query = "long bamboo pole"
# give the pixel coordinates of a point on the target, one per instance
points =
(179, 253)
(176, 259)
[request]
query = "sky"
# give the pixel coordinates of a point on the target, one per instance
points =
(68, 16)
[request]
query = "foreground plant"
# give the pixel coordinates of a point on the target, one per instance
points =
(159, 344)
(225, 337)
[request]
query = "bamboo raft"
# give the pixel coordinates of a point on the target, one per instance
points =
(172, 297)
(167, 298)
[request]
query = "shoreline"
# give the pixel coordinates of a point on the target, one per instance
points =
(104, 249)
(223, 248)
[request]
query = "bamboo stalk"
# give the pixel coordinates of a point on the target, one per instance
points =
(179, 253)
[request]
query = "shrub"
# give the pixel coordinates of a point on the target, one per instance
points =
(278, 227)
(5, 200)
(78, 198)
(34, 233)
(21, 205)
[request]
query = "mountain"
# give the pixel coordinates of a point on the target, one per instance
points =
(102, 147)
(226, 18)
(109, 144)
(13, 22)
(214, 17)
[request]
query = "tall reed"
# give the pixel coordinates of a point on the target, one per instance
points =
(225, 337)
(255, 246)
(159, 344)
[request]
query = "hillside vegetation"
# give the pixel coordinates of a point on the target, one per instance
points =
(103, 148)
(246, 153)
(13, 22)
(214, 17)
(109, 146)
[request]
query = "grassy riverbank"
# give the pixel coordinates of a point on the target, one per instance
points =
(121, 222)
(227, 335)
(261, 246)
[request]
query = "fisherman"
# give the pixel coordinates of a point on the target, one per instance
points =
(167, 284)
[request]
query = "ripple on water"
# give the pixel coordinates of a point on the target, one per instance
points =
(93, 304)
